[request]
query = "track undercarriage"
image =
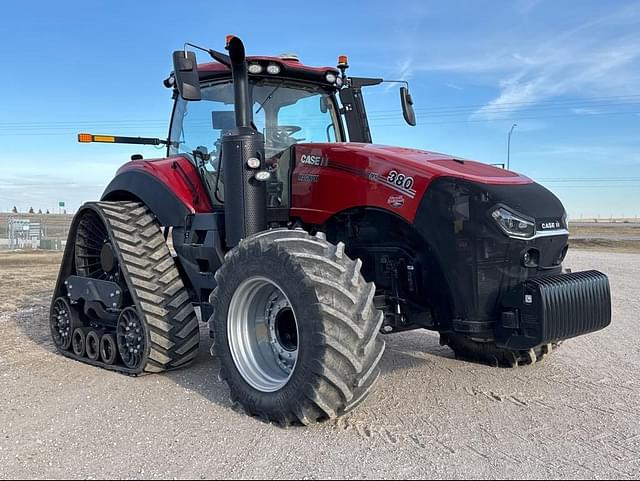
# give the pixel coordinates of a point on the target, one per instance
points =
(120, 302)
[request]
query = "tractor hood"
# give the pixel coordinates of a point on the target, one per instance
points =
(423, 162)
(335, 177)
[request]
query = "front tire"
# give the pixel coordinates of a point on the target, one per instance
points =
(295, 328)
(489, 353)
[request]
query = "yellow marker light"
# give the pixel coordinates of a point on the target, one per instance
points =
(85, 138)
(104, 138)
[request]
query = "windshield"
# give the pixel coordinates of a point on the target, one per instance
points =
(285, 113)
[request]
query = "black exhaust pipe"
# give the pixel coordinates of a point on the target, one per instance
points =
(245, 197)
(244, 113)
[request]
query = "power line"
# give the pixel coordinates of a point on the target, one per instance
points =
(629, 100)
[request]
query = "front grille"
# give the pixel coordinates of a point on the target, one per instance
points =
(554, 308)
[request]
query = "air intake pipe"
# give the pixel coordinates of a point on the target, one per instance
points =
(245, 197)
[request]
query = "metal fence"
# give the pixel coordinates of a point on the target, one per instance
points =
(34, 231)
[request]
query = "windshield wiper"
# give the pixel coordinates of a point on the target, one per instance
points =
(269, 97)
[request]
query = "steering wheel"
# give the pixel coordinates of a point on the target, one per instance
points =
(282, 136)
(288, 130)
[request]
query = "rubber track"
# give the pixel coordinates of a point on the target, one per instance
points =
(488, 353)
(349, 367)
(155, 285)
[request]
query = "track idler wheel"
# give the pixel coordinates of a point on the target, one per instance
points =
(63, 321)
(79, 342)
(93, 345)
(108, 349)
(131, 335)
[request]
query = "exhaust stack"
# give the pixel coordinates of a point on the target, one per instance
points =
(245, 196)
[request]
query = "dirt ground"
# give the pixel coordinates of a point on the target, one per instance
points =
(621, 236)
(574, 415)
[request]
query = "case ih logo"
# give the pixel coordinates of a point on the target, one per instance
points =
(396, 201)
(550, 225)
(315, 160)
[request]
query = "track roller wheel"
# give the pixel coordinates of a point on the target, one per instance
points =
(108, 349)
(79, 341)
(93, 345)
(488, 353)
(62, 321)
(296, 331)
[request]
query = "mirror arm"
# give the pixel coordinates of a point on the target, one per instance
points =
(406, 84)
(217, 56)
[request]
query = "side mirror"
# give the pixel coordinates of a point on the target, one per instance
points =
(407, 106)
(185, 69)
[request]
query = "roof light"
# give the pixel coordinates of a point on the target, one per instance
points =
(273, 68)
(85, 138)
(331, 77)
(343, 60)
(255, 68)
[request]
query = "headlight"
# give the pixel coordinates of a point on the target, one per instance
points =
(331, 77)
(514, 225)
(339, 81)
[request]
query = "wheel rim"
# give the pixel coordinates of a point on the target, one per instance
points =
(95, 255)
(131, 338)
(61, 323)
(263, 334)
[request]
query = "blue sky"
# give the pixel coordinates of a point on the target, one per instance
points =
(568, 73)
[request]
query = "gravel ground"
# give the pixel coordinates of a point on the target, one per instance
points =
(575, 415)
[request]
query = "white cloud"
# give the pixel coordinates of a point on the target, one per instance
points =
(586, 111)
(599, 57)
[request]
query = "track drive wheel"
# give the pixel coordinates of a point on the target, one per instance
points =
(488, 353)
(295, 328)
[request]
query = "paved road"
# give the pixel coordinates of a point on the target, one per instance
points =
(575, 415)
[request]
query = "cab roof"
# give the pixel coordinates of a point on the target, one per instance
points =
(290, 69)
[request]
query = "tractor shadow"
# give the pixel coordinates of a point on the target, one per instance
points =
(418, 349)
(405, 351)
(32, 319)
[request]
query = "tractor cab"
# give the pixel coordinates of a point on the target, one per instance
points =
(291, 104)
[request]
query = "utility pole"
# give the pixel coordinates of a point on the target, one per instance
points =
(509, 145)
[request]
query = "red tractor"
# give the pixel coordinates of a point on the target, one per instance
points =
(302, 243)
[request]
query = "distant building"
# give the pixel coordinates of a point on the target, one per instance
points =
(24, 233)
